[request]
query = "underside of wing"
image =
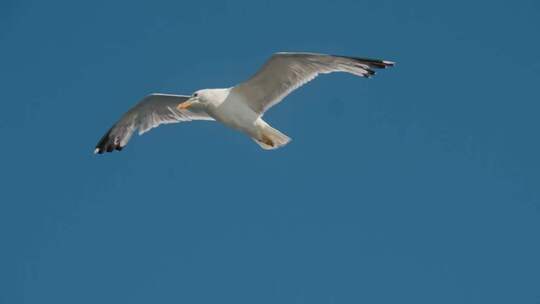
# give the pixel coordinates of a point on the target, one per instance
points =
(285, 72)
(152, 111)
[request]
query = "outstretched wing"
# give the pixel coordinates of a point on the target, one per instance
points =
(285, 72)
(152, 111)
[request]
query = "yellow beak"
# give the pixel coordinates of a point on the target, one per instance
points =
(184, 105)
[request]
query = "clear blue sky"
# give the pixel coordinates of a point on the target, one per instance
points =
(418, 186)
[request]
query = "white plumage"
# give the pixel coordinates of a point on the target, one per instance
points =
(240, 107)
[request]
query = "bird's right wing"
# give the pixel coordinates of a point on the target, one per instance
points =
(152, 111)
(285, 72)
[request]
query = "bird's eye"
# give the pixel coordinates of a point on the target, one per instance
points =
(195, 94)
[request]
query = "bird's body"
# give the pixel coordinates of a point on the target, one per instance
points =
(231, 109)
(240, 107)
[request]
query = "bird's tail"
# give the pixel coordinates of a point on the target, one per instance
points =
(271, 138)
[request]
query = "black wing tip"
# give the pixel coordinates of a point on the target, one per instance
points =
(374, 63)
(107, 144)
(370, 73)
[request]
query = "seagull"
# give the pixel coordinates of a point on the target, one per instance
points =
(240, 107)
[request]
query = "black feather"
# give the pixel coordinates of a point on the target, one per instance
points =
(107, 143)
(373, 63)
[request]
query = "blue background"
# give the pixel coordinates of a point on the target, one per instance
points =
(418, 186)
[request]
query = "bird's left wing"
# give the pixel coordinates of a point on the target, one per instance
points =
(152, 111)
(285, 72)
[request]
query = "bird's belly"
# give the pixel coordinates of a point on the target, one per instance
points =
(237, 115)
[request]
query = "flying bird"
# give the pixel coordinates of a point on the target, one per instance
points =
(240, 107)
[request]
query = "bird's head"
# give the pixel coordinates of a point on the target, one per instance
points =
(197, 101)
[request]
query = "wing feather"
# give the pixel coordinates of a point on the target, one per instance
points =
(285, 72)
(149, 113)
